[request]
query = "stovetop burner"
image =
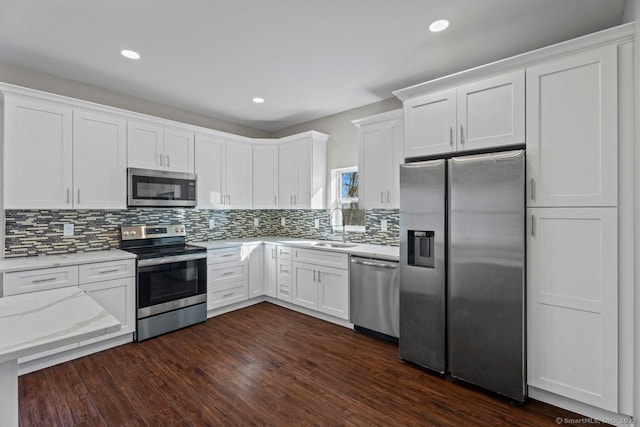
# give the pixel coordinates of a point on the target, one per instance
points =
(157, 241)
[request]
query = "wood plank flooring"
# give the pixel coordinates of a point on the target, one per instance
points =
(262, 365)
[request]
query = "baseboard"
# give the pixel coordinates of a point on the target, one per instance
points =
(312, 313)
(581, 408)
(236, 306)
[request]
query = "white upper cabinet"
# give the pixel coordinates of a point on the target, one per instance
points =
(60, 158)
(430, 124)
(379, 157)
(265, 176)
(478, 115)
(179, 150)
(286, 175)
(99, 161)
(224, 170)
(302, 171)
(572, 122)
(38, 155)
(151, 146)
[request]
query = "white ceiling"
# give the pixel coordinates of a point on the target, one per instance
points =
(308, 59)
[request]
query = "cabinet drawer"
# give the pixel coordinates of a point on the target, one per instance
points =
(215, 256)
(321, 257)
(228, 296)
(284, 252)
(21, 282)
(220, 275)
(101, 271)
(284, 270)
(284, 291)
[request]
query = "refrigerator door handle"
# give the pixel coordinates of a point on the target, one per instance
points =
(533, 226)
(533, 189)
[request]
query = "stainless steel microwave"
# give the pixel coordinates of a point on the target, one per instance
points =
(147, 187)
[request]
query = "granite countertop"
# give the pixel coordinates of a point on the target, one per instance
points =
(49, 261)
(391, 253)
(39, 321)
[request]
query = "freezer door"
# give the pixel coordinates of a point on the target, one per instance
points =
(422, 264)
(486, 268)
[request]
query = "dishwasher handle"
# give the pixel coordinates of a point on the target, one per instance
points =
(374, 263)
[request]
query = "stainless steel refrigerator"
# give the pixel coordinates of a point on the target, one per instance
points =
(462, 271)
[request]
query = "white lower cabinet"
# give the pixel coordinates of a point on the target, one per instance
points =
(572, 292)
(112, 284)
(321, 287)
(227, 277)
(118, 297)
(253, 253)
(270, 270)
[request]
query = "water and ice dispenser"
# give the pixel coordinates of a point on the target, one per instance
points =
(421, 248)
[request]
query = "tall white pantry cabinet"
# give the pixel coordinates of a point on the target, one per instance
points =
(578, 104)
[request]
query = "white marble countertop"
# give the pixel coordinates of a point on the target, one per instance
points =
(49, 261)
(39, 321)
(391, 253)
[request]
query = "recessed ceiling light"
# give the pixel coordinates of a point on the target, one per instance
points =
(130, 54)
(258, 100)
(439, 25)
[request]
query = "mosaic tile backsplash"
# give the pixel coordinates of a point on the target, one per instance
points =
(39, 232)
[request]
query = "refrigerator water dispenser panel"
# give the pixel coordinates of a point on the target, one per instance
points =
(421, 249)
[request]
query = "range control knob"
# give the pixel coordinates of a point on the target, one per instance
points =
(182, 229)
(177, 230)
(133, 233)
(126, 233)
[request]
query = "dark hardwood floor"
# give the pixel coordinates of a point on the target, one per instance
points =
(263, 365)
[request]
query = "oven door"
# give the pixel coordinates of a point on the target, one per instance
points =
(161, 188)
(165, 285)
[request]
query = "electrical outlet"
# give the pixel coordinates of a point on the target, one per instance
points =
(283, 222)
(317, 223)
(383, 225)
(67, 230)
(212, 223)
(256, 222)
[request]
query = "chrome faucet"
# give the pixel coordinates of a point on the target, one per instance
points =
(344, 236)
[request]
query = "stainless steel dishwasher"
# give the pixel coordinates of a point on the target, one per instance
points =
(374, 299)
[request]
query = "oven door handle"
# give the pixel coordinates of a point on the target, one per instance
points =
(171, 259)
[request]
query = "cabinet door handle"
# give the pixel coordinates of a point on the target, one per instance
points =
(227, 273)
(318, 276)
(382, 197)
(78, 200)
(161, 160)
(109, 271)
(388, 197)
(450, 135)
(314, 275)
(275, 200)
(229, 199)
(50, 279)
(291, 200)
(227, 255)
(228, 295)
(168, 164)
(67, 195)
(295, 199)
(273, 254)
(461, 135)
(533, 189)
(533, 226)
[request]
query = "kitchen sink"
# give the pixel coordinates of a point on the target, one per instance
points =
(334, 245)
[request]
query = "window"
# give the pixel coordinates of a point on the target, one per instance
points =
(345, 195)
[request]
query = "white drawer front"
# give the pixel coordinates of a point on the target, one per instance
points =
(21, 282)
(321, 257)
(284, 270)
(284, 252)
(284, 291)
(100, 271)
(228, 296)
(215, 256)
(221, 275)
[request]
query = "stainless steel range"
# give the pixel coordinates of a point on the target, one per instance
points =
(172, 279)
